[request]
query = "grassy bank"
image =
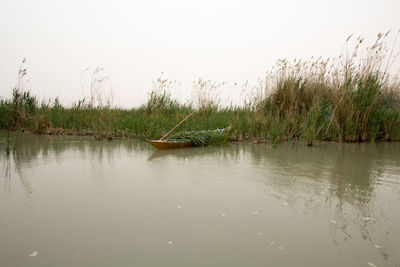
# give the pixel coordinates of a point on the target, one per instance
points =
(348, 99)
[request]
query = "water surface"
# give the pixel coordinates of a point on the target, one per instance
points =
(73, 201)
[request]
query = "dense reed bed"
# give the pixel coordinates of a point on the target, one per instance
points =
(352, 98)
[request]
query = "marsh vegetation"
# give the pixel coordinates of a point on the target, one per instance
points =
(352, 98)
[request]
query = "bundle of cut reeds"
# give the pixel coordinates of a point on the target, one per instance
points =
(200, 138)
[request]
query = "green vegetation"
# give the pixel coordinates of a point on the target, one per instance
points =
(201, 138)
(349, 99)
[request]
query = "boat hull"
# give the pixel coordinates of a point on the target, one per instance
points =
(161, 144)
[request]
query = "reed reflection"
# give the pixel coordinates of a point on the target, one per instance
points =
(337, 181)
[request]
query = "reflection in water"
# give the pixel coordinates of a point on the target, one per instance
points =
(339, 176)
(7, 173)
(12, 163)
(347, 184)
(342, 177)
(29, 150)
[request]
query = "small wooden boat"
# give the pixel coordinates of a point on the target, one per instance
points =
(163, 144)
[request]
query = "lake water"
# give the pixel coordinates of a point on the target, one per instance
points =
(73, 201)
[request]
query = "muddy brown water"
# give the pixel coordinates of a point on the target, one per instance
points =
(73, 201)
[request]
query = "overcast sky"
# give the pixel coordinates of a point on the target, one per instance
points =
(135, 41)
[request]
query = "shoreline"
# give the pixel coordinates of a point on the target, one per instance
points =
(107, 137)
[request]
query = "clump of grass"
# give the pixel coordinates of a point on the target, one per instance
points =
(351, 98)
(207, 95)
(160, 99)
(97, 83)
(23, 104)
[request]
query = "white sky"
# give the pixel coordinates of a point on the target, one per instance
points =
(135, 41)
